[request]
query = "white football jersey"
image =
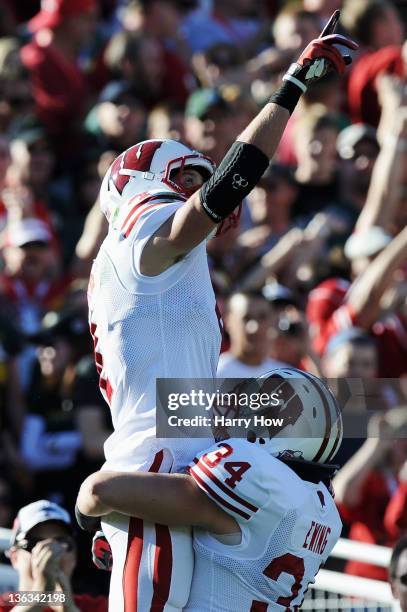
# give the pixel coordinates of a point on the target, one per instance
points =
(288, 529)
(146, 328)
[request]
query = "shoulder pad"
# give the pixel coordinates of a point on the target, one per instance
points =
(241, 478)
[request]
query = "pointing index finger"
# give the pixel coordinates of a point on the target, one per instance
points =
(331, 25)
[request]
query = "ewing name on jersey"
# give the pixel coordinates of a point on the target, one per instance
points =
(288, 529)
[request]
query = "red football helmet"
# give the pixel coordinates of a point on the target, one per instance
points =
(148, 167)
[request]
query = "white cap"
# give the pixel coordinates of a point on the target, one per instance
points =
(27, 230)
(32, 515)
(367, 242)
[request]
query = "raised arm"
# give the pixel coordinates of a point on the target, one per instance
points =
(385, 186)
(349, 482)
(167, 499)
(366, 292)
(247, 159)
(93, 234)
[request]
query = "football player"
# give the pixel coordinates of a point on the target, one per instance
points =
(152, 308)
(263, 510)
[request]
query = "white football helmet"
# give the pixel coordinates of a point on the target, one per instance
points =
(146, 168)
(312, 421)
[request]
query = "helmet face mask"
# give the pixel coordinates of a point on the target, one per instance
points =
(179, 166)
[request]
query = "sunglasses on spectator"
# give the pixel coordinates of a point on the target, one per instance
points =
(30, 543)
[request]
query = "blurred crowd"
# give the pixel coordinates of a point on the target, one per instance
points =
(314, 277)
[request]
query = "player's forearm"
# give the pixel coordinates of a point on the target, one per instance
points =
(274, 260)
(151, 497)
(266, 129)
(89, 502)
(169, 499)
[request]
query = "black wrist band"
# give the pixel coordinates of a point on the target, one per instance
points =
(287, 95)
(87, 523)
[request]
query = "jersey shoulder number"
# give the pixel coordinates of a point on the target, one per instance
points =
(229, 473)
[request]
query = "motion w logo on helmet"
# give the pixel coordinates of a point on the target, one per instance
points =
(290, 406)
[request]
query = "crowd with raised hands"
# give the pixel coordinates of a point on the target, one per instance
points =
(315, 276)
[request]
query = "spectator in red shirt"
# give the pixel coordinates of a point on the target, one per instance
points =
(377, 26)
(61, 28)
(30, 284)
(362, 88)
(371, 301)
(43, 551)
(365, 487)
(395, 519)
(336, 305)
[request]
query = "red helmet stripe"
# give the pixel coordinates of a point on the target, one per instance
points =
(140, 156)
(119, 180)
(338, 435)
(328, 420)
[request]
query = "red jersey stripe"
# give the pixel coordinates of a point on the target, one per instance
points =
(223, 487)
(258, 606)
(162, 568)
(137, 217)
(212, 493)
(163, 555)
(132, 564)
(158, 459)
(109, 390)
(136, 206)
